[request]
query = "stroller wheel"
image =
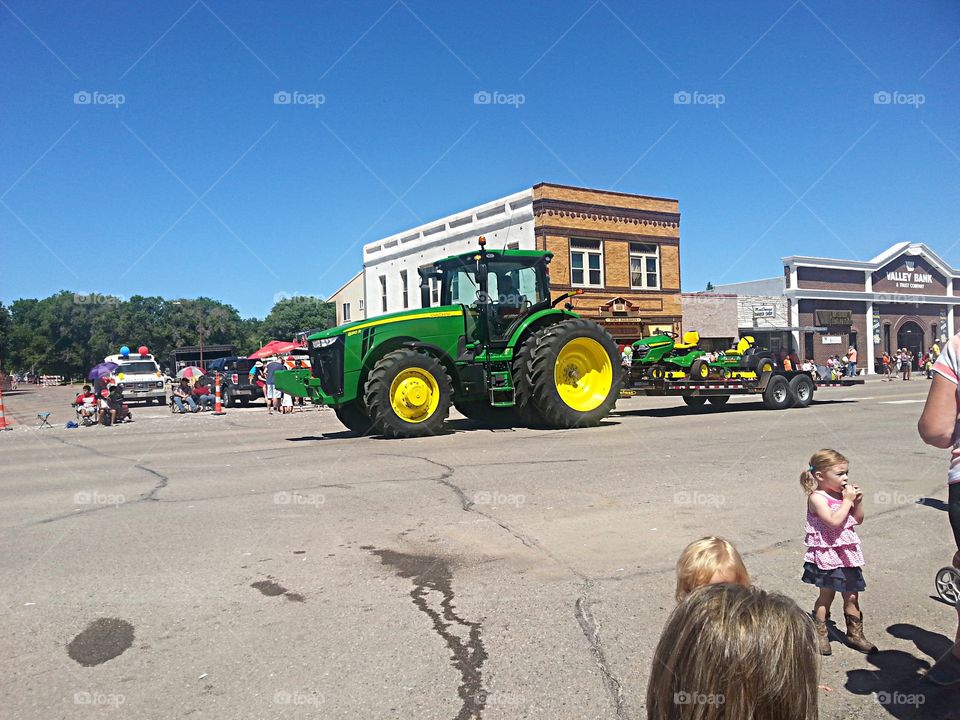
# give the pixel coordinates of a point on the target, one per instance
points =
(948, 585)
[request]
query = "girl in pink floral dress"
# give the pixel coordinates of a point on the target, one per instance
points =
(834, 560)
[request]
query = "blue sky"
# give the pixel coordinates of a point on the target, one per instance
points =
(195, 182)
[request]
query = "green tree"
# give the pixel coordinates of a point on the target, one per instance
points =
(298, 314)
(6, 327)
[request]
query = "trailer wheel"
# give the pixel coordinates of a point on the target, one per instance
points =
(777, 396)
(354, 417)
(575, 373)
(700, 369)
(718, 400)
(408, 394)
(694, 401)
(802, 388)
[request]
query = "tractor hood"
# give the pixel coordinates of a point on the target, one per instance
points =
(653, 341)
(359, 325)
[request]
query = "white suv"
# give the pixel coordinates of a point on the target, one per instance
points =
(140, 376)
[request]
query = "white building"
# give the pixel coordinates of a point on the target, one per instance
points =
(349, 300)
(390, 265)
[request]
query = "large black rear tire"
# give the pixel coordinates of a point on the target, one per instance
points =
(694, 401)
(354, 417)
(575, 373)
(525, 408)
(408, 394)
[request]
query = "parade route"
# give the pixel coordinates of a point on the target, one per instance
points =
(255, 566)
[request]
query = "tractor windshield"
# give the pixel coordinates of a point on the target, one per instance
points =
(515, 282)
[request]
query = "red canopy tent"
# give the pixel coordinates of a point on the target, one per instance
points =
(275, 347)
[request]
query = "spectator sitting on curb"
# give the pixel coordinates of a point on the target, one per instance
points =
(201, 393)
(181, 393)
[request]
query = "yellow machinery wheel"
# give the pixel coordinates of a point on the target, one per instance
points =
(583, 374)
(574, 373)
(414, 395)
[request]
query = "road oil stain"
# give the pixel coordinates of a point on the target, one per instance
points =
(468, 654)
(271, 588)
(102, 640)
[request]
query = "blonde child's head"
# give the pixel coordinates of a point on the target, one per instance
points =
(821, 461)
(735, 652)
(706, 561)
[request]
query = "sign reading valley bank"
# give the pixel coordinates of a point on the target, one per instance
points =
(910, 279)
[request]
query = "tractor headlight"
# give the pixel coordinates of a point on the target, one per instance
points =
(323, 342)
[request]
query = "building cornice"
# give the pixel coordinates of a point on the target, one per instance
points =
(881, 260)
(894, 298)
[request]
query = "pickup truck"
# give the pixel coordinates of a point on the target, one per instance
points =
(235, 385)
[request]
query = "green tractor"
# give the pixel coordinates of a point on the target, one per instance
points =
(496, 347)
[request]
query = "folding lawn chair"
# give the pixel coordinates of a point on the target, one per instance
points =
(44, 418)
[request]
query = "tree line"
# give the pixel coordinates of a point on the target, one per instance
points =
(67, 333)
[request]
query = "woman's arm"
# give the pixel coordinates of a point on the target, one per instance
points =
(939, 418)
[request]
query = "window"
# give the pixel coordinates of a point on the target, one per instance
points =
(434, 291)
(361, 305)
(403, 287)
(586, 262)
(346, 312)
(383, 292)
(645, 266)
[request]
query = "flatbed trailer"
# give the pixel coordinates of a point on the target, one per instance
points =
(778, 389)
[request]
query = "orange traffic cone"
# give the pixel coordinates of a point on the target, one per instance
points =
(3, 419)
(217, 406)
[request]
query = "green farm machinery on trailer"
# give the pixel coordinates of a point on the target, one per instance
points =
(496, 347)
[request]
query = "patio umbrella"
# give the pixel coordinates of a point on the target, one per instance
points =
(274, 347)
(191, 371)
(101, 370)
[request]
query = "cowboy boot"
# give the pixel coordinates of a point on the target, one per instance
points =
(823, 636)
(855, 637)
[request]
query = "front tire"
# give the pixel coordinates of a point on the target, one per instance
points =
(575, 373)
(699, 370)
(408, 394)
(354, 417)
(162, 400)
(718, 400)
(226, 399)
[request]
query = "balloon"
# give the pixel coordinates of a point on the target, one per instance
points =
(124, 351)
(143, 350)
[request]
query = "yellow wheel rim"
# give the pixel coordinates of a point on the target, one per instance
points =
(583, 374)
(414, 395)
(704, 371)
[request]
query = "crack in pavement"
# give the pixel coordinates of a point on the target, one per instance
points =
(591, 631)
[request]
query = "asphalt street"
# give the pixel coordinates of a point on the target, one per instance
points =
(255, 566)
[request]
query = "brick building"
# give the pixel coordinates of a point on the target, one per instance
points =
(904, 297)
(623, 250)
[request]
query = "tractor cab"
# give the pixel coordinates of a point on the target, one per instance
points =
(499, 288)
